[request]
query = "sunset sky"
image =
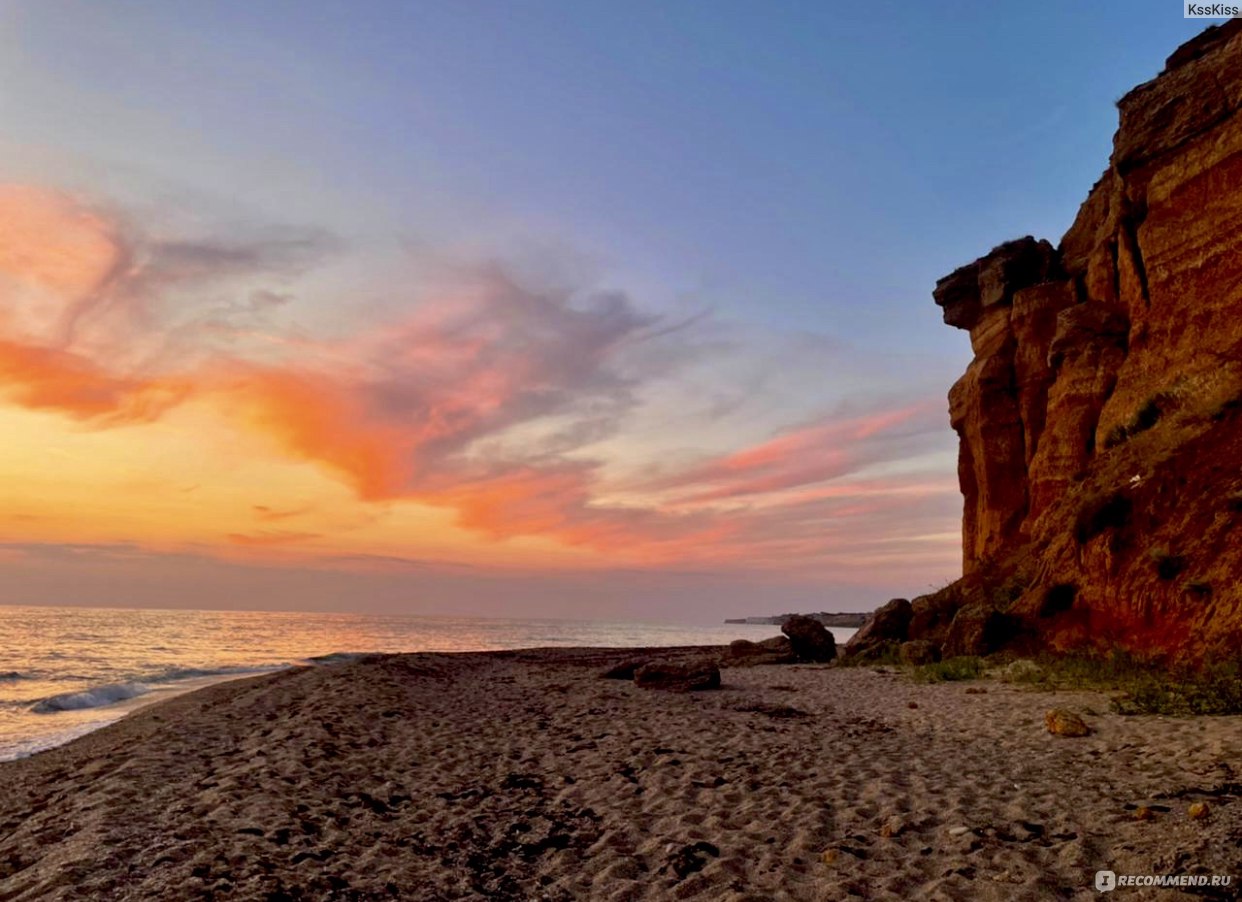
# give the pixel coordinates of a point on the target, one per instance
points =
(588, 309)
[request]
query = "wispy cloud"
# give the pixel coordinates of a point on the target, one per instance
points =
(489, 398)
(828, 449)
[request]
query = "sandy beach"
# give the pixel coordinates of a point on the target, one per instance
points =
(525, 775)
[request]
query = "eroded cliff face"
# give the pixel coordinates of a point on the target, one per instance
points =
(1100, 421)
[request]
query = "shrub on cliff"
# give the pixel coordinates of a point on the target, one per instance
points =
(1145, 418)
(1100, 513)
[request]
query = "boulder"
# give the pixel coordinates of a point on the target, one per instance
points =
(887, 625)
(744, 653)
(930, 615)
(678, 676)
(977, 630)
(918, 652)
(810, 639)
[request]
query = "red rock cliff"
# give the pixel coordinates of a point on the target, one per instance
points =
(1101, 418)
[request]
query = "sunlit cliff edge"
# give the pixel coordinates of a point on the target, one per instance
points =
(1100, 421)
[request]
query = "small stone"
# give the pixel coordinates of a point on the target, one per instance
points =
(1198, 811)
(976, 690)
(958, 831)
(913, 706)
(829, 856)
(1143, 813)
(892, 827)
(1061, 722)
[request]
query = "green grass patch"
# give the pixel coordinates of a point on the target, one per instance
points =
(949, 671)
(1141, 688)
(1216, 689)
(1102, 672)
(886, 653)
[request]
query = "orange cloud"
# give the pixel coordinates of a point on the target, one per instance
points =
(482, 401)
(51, 379)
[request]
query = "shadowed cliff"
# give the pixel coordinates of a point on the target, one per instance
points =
(1100, 421)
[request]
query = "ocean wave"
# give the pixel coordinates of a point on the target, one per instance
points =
(97, 697)
(337, 657)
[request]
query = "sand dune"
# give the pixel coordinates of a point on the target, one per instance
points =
(526, 776)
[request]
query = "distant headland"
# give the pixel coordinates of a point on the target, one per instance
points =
(848, 620)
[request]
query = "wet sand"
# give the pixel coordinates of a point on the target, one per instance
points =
(524, 775)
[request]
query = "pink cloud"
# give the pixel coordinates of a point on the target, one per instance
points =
(821, 451)
(110, 326)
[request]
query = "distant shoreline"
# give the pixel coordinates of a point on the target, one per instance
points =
(847, 620)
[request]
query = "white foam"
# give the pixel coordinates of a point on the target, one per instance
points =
(97, 697)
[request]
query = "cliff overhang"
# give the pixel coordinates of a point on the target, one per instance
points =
(1100, 421)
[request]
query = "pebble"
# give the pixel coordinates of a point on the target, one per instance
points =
(958, 831)
(892, 827)
(1198, 810)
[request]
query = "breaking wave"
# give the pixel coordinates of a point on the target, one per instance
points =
(97, 697)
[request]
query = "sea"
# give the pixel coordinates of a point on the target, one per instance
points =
(67, 671)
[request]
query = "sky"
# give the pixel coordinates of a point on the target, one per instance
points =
(591, 309)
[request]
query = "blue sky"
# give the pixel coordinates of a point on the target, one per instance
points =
(809, 164)
(783, 182)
